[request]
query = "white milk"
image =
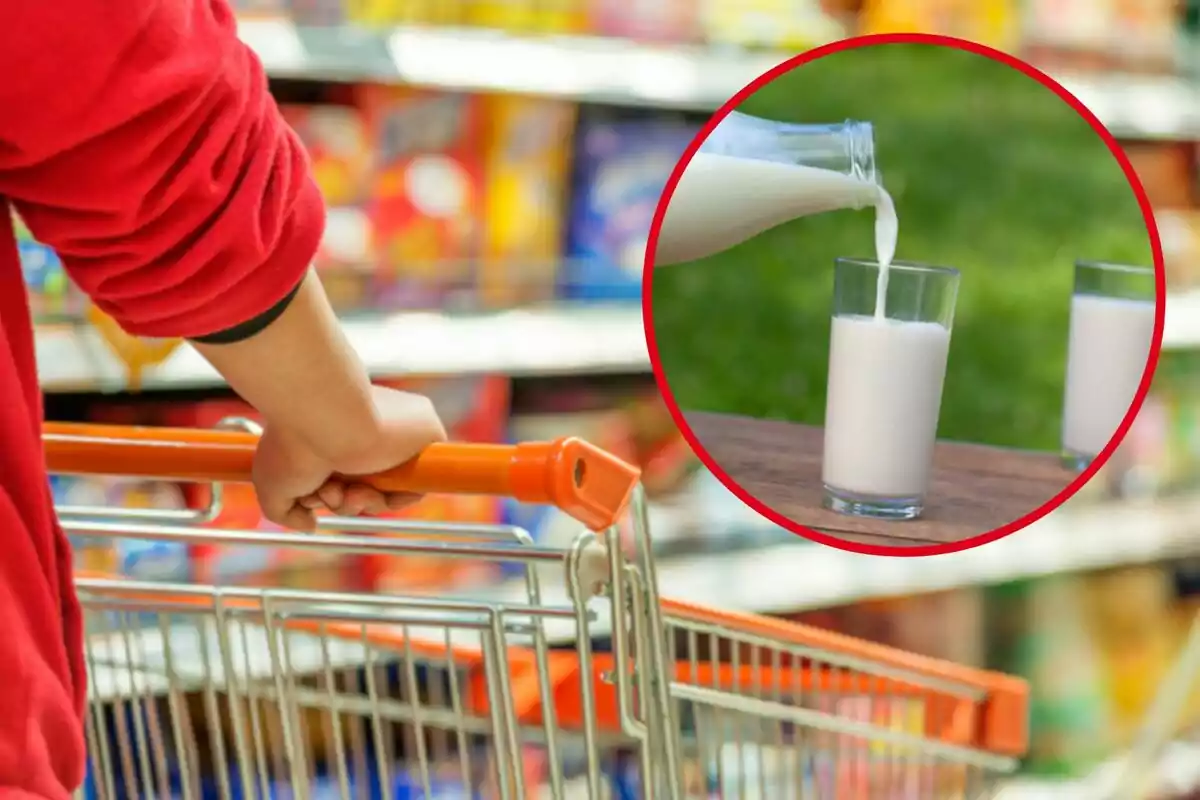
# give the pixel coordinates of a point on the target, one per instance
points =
(722, 200)
(1108, 349)
(881, 413)
(887, 227)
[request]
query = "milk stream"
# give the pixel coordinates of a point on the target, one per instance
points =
(887, 228)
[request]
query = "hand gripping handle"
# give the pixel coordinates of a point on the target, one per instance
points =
(584, 481)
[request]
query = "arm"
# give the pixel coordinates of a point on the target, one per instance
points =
(301, 353)
(140, 142)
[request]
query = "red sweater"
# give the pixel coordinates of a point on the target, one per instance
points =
(139, 140)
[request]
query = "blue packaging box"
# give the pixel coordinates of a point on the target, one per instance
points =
(621, 168)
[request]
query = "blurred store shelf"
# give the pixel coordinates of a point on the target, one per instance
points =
(1181, 329)
(597, 69)
(623, 72)
(1177, 772)
(559, 340)
(1140, 106)
(548, 341)
(795, 575)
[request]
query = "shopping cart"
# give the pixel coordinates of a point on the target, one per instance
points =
(207, 691)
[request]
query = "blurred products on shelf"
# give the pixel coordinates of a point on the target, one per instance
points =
(1133, 35)
(1037, 631)
(426, 193)
(1130, 618)
(1168, 171)
(991, 22)
(662, 20)
(440, 200)
(1095, 647)
(1160, 456)
(144, 560)
(528, 167)
(50, 292)
(621, 168)
(792, 24)
(1179, 231)
(1104, 34)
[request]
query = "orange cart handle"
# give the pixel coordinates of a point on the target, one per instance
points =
(584, 481)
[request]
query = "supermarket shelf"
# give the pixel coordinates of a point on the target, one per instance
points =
(548, 341)
(1140, 106)
(1177, 771)
(1181, 329)
(796, 576)
(622, 72)
(597, 69)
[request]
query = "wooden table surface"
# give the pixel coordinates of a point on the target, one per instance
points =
(975, 488)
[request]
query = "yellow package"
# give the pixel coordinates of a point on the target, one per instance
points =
(990, 22)
(527, 171)
(786, 24)
(380, 13)
(529, 16)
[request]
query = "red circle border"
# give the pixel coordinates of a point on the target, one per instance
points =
(1068, 98)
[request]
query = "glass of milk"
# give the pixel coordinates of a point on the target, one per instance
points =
(1112, 331)
(887, 364)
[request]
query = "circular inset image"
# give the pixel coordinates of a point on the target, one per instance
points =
(904, 294)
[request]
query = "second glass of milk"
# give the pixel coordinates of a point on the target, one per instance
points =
(887, 364)
(1112, 331)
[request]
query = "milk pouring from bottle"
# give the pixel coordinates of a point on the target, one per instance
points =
(751, 175)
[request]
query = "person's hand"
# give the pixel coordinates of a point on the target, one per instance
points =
(293, 482)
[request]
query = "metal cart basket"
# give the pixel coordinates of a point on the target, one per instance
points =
(200, 690)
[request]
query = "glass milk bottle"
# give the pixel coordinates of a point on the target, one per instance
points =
(753, 174)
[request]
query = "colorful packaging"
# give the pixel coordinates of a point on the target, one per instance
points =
(337, 144)
(1131, 620)
(379, 13)
(426, 196)
(1037, 629)
(1167, 171)
(786, 24)
(660, 20)
(139, 559)
(621, 169)
(335, 137)
(991, 22)
(529, 16)
(260, 8)
(528, 177)
(50, 292)
(1179, 231)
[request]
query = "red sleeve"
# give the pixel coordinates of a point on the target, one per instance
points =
(139, 140)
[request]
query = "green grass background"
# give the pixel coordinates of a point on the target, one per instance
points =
(991, 173)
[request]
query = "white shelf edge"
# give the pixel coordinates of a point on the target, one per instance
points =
(624, 72)
(557, 340)
(1177, 770)
(801, 576)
